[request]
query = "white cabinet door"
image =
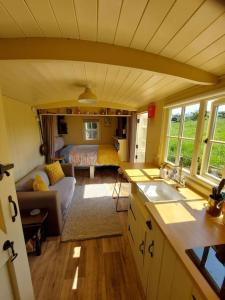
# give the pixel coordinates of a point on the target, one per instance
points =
(182, 283)
(167, 272)
(153, 258)
(15, 279)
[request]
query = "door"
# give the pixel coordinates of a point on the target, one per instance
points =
(141, 136)
(15, 279)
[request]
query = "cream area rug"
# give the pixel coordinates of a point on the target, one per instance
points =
(92, 214)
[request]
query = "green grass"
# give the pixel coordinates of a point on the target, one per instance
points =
(217, 157)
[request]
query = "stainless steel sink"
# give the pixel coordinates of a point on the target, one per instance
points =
(159, 191)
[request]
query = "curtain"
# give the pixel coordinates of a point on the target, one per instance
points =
(49, 128)
(131, 136)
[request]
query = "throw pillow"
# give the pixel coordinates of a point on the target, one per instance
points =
(55, 172)
(39, 185)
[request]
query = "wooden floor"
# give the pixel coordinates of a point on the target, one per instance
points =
(104, 268)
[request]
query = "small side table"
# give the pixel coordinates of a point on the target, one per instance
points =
(60, 159)
(34, 228)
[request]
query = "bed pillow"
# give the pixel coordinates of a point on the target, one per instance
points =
(39, 185)
(55, 172)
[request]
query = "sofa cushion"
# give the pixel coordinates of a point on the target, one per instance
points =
(39, 185)
(26, 183)
(55, 172)
(65, 187)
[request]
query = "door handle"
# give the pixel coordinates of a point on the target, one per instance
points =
(151, 248)
(4, 170)
(14, 207)
(10, 245)
(141, 247)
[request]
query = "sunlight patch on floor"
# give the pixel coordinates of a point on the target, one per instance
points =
(96, 191)
(75, 280)
(76, 252)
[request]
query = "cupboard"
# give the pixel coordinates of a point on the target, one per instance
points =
(162, 273)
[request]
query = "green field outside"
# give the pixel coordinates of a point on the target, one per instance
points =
(217, 157)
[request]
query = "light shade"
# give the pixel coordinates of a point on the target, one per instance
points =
(87, 97)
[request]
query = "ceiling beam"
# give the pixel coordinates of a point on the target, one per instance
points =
(79, 50)
(98, 104)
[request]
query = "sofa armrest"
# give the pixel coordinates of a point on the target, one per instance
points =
(68, 170)
(48, 200)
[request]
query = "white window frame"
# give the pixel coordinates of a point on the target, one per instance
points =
(210, 133)
(85, 129)
(180, 136)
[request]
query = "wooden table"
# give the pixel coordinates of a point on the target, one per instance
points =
(139, 172)
(34, 228)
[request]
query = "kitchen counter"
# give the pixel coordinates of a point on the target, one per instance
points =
(186, 225)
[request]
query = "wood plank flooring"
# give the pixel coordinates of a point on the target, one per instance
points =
(98, 269)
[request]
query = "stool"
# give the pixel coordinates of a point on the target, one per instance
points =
(117, 188)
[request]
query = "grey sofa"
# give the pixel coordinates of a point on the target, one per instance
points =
(56, 200)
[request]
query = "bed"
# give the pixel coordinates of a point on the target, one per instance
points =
(88, 155)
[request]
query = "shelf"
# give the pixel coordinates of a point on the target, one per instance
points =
(83, 115)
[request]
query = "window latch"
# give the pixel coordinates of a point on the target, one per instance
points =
(206, 141)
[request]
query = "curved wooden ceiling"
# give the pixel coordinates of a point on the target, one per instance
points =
(191, 32)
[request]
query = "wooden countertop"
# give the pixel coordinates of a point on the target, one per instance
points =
(186, 225)
(139, 172)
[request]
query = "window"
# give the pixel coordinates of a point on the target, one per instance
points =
(196, 132)
(181, 134)
(214, 154)
(91, 130)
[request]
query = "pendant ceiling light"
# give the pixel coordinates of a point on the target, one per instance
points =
(87, 97)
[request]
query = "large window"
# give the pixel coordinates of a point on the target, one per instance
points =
(181, 134)
(91, 130)
(214, 154)
(197, 134)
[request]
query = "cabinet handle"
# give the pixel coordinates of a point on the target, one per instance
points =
(10, 245)
(193, 297)
(14, 207)
(141, 247)
(149, 224)
(151, 248)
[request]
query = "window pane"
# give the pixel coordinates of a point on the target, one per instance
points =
(217, 160)
(190, 120)
(172, 150)
(204, 136)
(175, 121)
(94, 125)
(186, 152)
(219, 134)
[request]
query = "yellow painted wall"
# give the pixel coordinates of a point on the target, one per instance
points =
(23, 134)
(75, 130)
(154, 135)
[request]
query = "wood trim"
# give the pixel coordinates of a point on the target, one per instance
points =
(88, 51)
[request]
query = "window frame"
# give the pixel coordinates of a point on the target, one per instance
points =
(210, 133)
(180, 138)
(204, 176)
(85, 130)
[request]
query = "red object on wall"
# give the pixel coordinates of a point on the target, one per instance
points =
(151, 110)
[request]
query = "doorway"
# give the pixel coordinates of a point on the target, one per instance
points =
(141, 137)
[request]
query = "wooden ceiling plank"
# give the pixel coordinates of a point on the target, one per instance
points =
(108, 15)
(109, 81)
(43, 13)
(122, 75)
(130, 16)
(150, 22)
(216, 64)
(23, 17)
(66, 16)
(7, 22)
(86, 12)
(100, 76)
(200, 21)
(207, 37)
(87, 51)
(208, 53)
(177, 17)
